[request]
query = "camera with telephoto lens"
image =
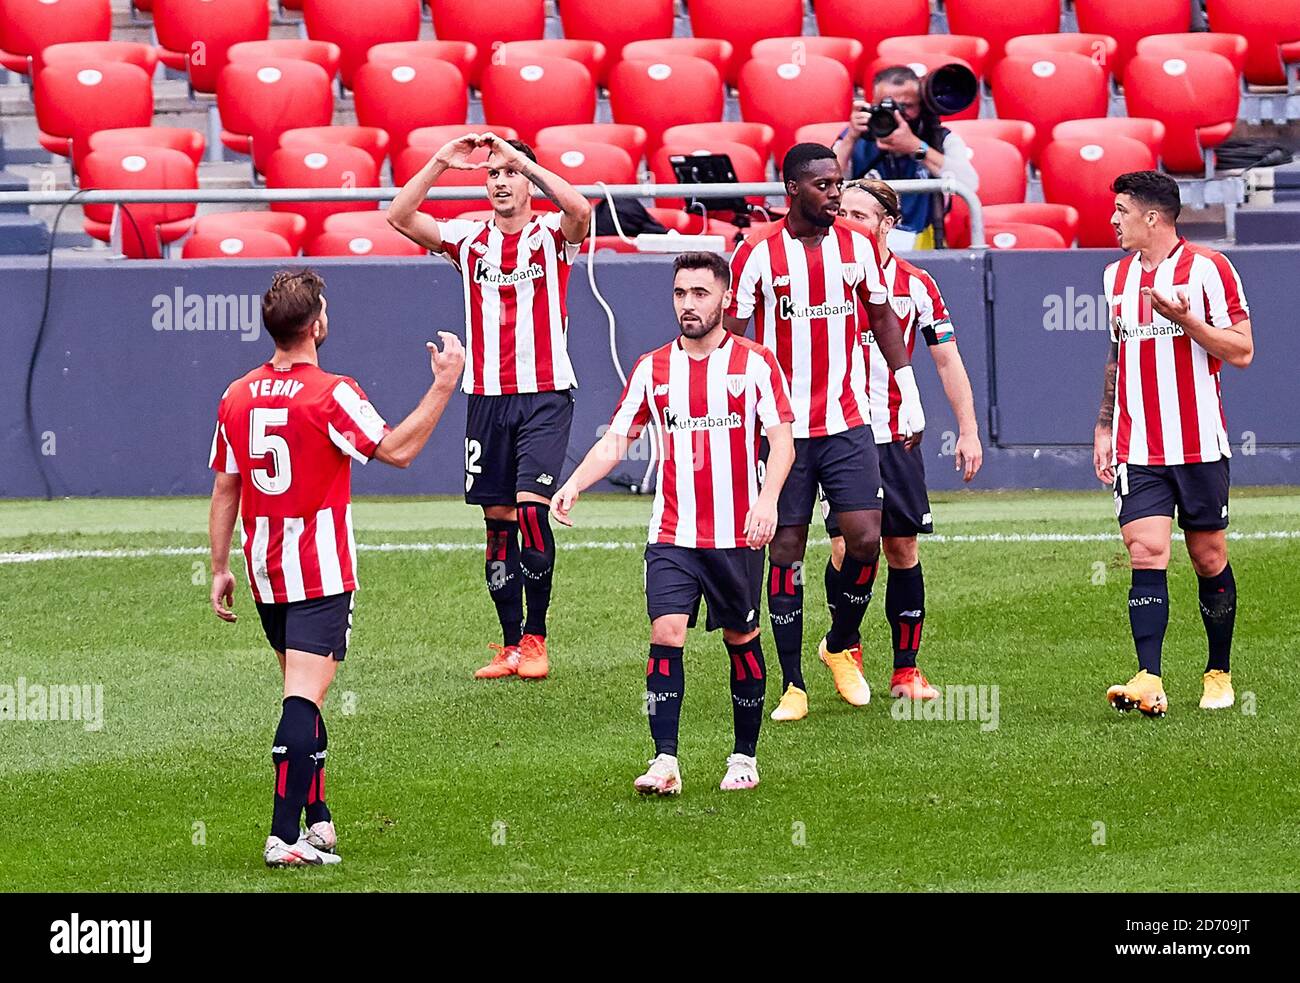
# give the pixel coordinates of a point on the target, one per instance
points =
(947, 90)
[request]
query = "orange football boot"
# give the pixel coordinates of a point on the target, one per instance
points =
(533, 663)
(504, 663)
(908, 683)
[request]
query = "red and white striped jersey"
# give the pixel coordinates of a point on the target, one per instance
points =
(706, 414)
(1168, 404)
(920, 308)
(805, 309)
(292, 435)
(516, 318)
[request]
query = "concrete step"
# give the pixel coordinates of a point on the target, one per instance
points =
(1265, 224)
(22, 235)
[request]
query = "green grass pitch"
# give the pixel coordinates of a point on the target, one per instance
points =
(439, 782)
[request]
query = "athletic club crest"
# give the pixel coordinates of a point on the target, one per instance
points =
(735, 384)
(852, 273)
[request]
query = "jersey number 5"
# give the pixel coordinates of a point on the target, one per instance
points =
(261, 443)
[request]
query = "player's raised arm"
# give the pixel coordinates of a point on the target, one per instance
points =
(404, 212)
(403, 445)
(576, 210)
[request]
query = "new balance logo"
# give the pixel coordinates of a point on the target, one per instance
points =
(546, 479)
(661, 389)
(910, 614)
(781, 281)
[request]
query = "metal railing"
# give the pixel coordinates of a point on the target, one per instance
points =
(254, 196)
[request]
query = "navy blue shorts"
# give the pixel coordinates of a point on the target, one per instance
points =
(1199, 493)
(515, 443)
(843, 466)
(320, 625)
(729, 580)
(906, 510)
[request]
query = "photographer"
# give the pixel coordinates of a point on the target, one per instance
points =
(918, 148)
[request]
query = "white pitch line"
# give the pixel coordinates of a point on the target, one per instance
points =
(39, 556)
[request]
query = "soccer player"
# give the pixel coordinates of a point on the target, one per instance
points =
(1178, 312)
(917, 301)
(801, 282)
(516, 270)
(287, 434)
(706, 395)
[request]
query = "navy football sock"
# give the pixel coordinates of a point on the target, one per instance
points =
(831, 578)
(537, 561)
(785, 611)
(1218, 597)
(317, 810)
(856, 579)
(1148, 616)
(504, 582)
(905, 611)
(748, 682)
(295, 765)
(664, 685)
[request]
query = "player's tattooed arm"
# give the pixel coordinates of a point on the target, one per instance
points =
(404, 212)
(1103, 454)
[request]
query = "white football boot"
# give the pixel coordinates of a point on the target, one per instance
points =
(301, 854)
(742, 772)
(662, 778)
(322, 836)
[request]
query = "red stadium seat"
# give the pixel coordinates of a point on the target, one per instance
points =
(288, 226)
(142, 56)
(355, 223)
(658, 94)
(1272, 32)
(371, 139)
(824, 133)
(145, 227)
(249, 244)
(590, 54)
(27, 27)
(409, 162)
(997, 21)
(374, 243)
(1231, 46)
(355, 27)
(847, 51)
(1022, 235)
(786, 97)
(509, 20)
(1016, 132)
(1064, 219)
(627, 137)
(749, 167)
(1147, 131)
(615, 23)
(339, 166)
(923, 63)
(1049, 88)
(260, 99)
(715, 51)
(902, 50)
(757, 136)
(872, 23)
(539, 93)
(401, 96)
(585, 163)
(1126, 22)
(462, 54)
(433, 138)
(326, 54)
(189, 142)
(74, 101)
(196, 35)
(1079, 172)
(1001, 171)
(743, 22)
(1195, 95)
(1101, 48)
